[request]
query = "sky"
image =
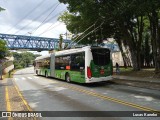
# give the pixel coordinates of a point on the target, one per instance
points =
(32, 18)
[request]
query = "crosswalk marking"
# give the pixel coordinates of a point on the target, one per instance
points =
(29, 77)
(23, 78)
(36, 77)
(33, 77)
(16, 78)
(19, 78)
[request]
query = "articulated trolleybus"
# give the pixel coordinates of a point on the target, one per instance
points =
(82, 65)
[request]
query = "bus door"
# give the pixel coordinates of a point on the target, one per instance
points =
(52, 65)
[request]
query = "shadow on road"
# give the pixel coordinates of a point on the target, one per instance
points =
(96, 84)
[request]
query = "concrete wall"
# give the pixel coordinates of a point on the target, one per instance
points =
(117, 57)
(9, 66)
(6, 70)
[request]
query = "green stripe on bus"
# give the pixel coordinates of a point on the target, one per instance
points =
(96, 69)
(75, 76)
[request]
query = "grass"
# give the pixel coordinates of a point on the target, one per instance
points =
(128, 69)
(11, 74)
(147, 72)
(6, 76)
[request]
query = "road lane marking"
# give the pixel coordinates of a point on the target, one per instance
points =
(7, 101)
(24, 101)
(22, 98)
(23, 78)
(111, 99)
(36, 77)
(104, 97)
(16, 79)
(147, 98)
(29, 78)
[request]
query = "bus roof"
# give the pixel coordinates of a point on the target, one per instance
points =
(63, 52)
(66, 52)
(69, 51)
(42, 57)
(76, 50)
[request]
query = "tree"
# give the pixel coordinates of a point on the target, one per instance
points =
(77, 24)
(1, 9)
(3, 49)
(22, 60)
(126, 21)
(60, 42)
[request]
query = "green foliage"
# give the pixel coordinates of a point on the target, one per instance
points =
(60, 42)
(1, 9)
(3, 49)
(80, 19)
(22, 60)
(124, 20)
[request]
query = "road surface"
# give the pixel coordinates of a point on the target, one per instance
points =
(49, 94)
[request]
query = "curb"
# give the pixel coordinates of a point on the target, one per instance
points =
(132, 79)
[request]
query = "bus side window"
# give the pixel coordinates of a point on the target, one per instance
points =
(77, 61)
(73, 66)
(66, 60)
(82, 60)
(57, 61)
(62, 62)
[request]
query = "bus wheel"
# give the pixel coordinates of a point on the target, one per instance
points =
(36, 72)
(46, 74)
(67, 78)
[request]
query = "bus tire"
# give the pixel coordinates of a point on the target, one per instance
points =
(37, 72)
(46, 74)
(67, 77)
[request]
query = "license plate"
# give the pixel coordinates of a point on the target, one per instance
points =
(101, 71)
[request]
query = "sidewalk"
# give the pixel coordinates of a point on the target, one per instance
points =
(12, 100)
(12, 96)
(137, 79)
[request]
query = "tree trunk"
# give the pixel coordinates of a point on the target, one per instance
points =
(129, 64)
(153, 17)
(122, 52)
(128, 36)
(134, 60)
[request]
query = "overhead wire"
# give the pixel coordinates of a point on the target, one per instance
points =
(82, 34)
(45, 19)
(31, 11)
(91, 32)
(86, 35)
(49, 28)
(52, 25)
(50, 8)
